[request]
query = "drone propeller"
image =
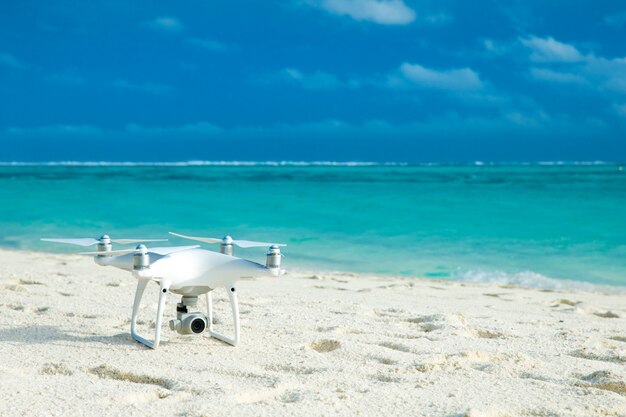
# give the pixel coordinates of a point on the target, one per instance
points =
(229, 240)
(104, 239)
(142, 249)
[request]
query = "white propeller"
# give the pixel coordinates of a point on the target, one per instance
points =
(229, 240)
(142, 249)
(104, 239)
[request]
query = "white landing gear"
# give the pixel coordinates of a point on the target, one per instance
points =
(141, 287)
(163, 291)
(234, 305)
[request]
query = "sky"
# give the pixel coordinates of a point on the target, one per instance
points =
(313, 80)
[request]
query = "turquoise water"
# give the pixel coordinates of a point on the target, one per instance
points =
(529, 224)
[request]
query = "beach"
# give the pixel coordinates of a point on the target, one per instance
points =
(313, 343)
(415, 209)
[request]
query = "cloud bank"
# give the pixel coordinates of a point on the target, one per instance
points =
(463, 79)
(383, 12)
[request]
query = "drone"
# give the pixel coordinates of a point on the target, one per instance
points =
(187, 271)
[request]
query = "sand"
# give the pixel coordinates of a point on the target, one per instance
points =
(313, 344)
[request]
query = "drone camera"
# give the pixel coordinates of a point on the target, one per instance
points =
(189, 323)
(198, 324)
(186, 322)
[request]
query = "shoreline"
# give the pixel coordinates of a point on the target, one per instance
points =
(312, 343)
(542, 282)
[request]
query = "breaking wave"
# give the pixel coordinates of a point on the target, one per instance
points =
(529, 279)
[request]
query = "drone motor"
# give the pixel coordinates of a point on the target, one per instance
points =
(226, 247)
(273, 257)
(104, 244)
(141, 259)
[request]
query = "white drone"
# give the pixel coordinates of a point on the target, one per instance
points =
(187, 271)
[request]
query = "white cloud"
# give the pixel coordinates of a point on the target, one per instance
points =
(545, 74)
(608, 74)
(10, 61)
(603, 74)
(550, 50)
(462, 84)
(384, 12)
(166, 24)
(210, 44)
(457, 80)
(146, 87)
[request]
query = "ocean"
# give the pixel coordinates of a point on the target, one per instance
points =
(548, 225)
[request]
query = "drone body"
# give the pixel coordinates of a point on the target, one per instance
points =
(186, 271)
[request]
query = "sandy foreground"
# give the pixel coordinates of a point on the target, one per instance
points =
(313, 345)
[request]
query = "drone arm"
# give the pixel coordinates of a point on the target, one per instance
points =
(234, 304)
(141, 287)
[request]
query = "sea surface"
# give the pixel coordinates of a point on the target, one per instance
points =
(548, 225)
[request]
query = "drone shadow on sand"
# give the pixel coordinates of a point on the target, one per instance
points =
(53, 335)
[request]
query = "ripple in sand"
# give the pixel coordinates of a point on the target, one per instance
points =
(293, 369)
(386, 378)
(290, 397)
(29, 282)
(104, 371)
(325, 345)
(395, 346)
(608, 356)
(455, 324)
(55, 369)
(603, 380)
(606, 314)
(488, 334)
(384, 361)
(564, 301)
(494, 295)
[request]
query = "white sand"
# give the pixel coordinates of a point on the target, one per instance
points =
(312, 345)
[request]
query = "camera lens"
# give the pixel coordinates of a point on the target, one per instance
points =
(198, 325)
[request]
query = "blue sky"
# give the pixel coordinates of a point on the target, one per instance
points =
(368, 80)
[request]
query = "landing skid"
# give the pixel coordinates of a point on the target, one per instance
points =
(163, 291)
(234, 305)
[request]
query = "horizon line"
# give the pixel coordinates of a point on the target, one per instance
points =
(304, 163)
